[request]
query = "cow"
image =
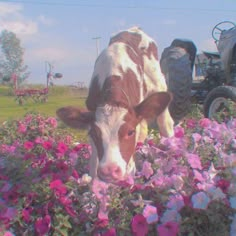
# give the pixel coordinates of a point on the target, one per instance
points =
(127, 90)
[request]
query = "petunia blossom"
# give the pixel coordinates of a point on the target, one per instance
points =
(200, 200)
(168, 229)
(147, 170)
(194, 161)
(28, 145)
(42, 225)
(150, 213)
(58, 187)
(139, 225)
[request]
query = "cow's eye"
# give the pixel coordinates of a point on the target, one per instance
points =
(131, 132)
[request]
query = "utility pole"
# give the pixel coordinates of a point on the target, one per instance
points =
(97, 43)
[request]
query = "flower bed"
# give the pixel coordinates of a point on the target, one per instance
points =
(185, 185)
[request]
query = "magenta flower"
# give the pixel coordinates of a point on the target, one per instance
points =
(11, 195)
(26, 214)
(179, 132)
(28, 145)
(62, 148)
(223, 184)
(110, 232)
(42, 225)
(139, 225)
(47, 145)
(58, 187)
(168, 229)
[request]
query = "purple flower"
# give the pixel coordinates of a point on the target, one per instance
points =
(200, 200)
(150, 213)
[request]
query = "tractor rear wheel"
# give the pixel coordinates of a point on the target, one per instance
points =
(216, 100)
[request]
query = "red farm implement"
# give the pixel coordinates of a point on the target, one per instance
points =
(37, 95)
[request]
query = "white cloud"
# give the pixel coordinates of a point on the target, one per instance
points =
(20, 27)
(46, 20)
(12, 19)
(9, 8)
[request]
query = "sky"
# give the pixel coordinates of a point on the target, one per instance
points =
(63, 32)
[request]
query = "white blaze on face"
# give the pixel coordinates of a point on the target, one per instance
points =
(109, 120)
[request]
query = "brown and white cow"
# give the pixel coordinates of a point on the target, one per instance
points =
(126, 90)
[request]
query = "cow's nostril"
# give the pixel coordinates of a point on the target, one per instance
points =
(110, 173)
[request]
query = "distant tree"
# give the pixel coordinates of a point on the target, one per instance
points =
(12, 58)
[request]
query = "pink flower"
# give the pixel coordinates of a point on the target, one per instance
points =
(191, 123)
(204, 122)
(168, 229)
(179, 132)
(8, 233)
(110, 232)
(150, 213)
(21, 128)
(28, 145)
(47, 145)
(38, 140)
(58, 187)
(42, 225)
(147, 170)
(196, 137)
(52, 121)
(139, 225)
(139, 146)
(62, 148)
(194, 161)
(26, 214)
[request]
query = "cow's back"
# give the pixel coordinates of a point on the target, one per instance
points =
(123, 73)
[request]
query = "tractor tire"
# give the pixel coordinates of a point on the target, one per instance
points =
(176, 66)
(216, 99)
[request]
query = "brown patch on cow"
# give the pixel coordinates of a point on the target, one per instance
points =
(122, 91)
(127, 135)
(152, 51)
(96, 134)
(94, 94)
(130, 38)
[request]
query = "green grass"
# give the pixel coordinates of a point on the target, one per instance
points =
(58, 96)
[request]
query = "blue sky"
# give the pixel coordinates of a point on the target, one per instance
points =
(62, 32)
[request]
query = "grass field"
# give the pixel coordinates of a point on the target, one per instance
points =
(58, 96)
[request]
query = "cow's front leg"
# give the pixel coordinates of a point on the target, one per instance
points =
(165, 124)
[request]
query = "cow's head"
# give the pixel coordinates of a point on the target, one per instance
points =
(113, 133)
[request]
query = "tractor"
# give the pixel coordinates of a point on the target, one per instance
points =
(218, 70)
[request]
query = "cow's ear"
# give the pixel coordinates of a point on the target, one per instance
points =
(75, 117)
(153, 105)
